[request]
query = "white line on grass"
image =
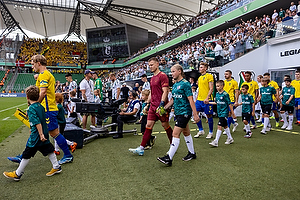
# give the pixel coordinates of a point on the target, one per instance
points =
(6, 118)
(12, 107)
(293, 132)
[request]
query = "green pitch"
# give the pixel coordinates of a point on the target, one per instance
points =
(9, 123)
(262, 167)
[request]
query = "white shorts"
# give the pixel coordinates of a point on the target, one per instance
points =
(257, 106)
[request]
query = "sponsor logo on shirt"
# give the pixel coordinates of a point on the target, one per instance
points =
(177, 96)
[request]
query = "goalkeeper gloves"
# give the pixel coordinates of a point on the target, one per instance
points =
(161, 110)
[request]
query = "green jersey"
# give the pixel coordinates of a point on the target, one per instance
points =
(61, 114)
(143, 106)
(247, 101)
(223, 101)
(180, 93)
(98, 85)
(287, 92)
(266, 95)
(36, 115)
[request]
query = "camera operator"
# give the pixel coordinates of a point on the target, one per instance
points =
(130, 113)
(87, 90)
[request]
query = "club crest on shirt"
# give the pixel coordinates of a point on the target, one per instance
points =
(229, 84)
(221, 97)
(268, 90)
(246, 98)
(178, 87)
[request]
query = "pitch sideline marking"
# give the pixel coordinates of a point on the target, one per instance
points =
(6, 118)
(296, 133)
(12, 107)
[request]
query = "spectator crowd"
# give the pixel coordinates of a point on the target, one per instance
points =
(225, 46)
(58, 53)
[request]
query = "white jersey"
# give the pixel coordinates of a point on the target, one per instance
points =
(115, 85)
(72, 86)
(146, 86)
(257, 105)
(169, 96)
(283, 84)
(71, 105)
(97, 99)
(88, 86)
(195, 95)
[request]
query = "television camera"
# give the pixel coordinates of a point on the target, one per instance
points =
(102, 111)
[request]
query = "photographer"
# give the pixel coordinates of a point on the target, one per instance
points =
(87, 90)
(130, 113)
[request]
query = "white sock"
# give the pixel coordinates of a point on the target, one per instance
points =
(283, 115)
(142, 147)
(291, 118)
(56, 147)
(173, 147)
(218, 135)
(266, 122)
(69, 142)
(189, 143)
(21, 168)
(247, 128)
(53, 159)
(227, 130)
(234, 121)
(260, 116)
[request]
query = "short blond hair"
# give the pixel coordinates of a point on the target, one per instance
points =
(39, 58)
(204, 64)
(146, 92)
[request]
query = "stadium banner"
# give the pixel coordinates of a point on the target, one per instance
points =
(12, 95)
(242, 77)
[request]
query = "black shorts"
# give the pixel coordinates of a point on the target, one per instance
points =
(289, 109)
(222, 121)
(182, 120)
(31, 151)
(246, 116)
(266, 109)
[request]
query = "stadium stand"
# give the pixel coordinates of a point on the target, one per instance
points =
(223, 47)
(58, 53)
(23, 81)
(26, 79)
(202, 18)
(6, 76)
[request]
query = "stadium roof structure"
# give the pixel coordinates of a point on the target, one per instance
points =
(56, 17)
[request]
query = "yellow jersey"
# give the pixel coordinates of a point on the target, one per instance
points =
(230, 87)
(253, 86)
(296, 85)
(203, 85)
(47, 80)
(274, 85)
